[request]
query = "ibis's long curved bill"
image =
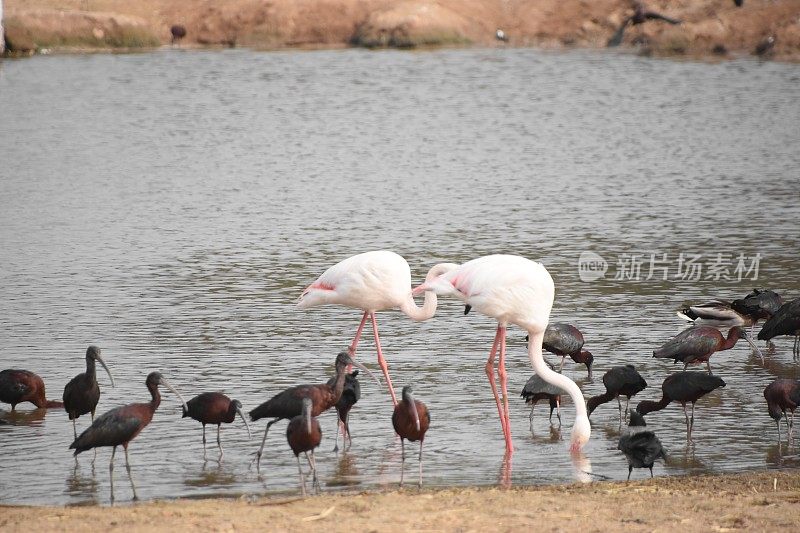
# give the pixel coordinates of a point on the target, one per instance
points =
(366, 370)
(239, 410)
(414, 411)
(106, 368)
(755, 348)
(178, 394)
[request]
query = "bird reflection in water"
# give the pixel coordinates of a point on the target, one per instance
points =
(24, 418)
(346, 473)
(216, 476)
(80, 483)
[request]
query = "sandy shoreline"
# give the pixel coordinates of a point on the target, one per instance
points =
(767, 500)
(708, 29)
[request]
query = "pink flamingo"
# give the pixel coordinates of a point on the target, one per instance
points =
(513, 290)
(372, 281)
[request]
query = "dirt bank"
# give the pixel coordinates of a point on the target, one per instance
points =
(709, 27)
(756, 501)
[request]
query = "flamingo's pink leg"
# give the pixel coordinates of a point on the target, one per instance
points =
(381, 360)
(490, 374)
(503, 384)
(357, 338)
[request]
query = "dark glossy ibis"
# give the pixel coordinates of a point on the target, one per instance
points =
(696, 345)
(178, 32)
(350, 396)
(760, 304)
(17, 386)
(537, 389)
(214, 408)
(683, 387)
(619, 381)
(641, 447)
(785, 321)
(410, 420)
(640, 15)
(564, 340)
(304, 434)
(83, 392)
(289, 403)
(121, 425)
(782, 395)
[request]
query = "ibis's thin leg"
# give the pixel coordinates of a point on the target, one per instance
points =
(111, 471)
(402, 459)
(219, 442)
(75, 430)
(420, 463)
(263, 441)
(336, 441)
(302, 479)
(128, 468)
(205, 458)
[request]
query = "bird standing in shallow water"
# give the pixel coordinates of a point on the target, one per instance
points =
(682, 387)
(410, 420)
(121, 425)
(620, 380)
(17, 386)
(512, 290)
(785, 321)
(350, 396)
(214, 408)
(289, 403)
(782, 395)
(641, 447)
(696, 345)
(82, 393)
(537, 389)
(371, 282)
(564, 340)
(304, 434)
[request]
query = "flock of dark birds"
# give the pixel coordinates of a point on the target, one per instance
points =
(694, 345)
(302, 404)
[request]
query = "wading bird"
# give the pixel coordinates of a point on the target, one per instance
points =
(17, 386)
(758, 305)
(371, 282)
(619, 381)
(641, 447)
(785, 321)
(121, 425)
(512, 290)
(304, 434)
(350, 396)
(564, 340)
(537, 389)
(289, 403)
(410, 420)
(214, 408)
(178, 32)
(782, 395)
(82, 393)
(696, 345)
(640, 15)
(683, 387)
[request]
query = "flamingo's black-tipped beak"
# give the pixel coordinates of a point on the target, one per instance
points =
(467, 309)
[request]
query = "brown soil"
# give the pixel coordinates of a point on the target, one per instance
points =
(709, 28)
(766, 501)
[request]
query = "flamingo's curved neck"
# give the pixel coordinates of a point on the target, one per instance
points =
(554, 378)
(428, 309)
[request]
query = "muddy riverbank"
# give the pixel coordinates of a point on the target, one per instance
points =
(709, 28)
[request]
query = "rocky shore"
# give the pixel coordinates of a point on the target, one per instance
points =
(708, 28)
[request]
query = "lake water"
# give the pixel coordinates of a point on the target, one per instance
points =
(171, 206)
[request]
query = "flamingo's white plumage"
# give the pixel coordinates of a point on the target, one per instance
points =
(372, 281)
(512, 290)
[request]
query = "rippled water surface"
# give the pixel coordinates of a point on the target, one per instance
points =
(170, 207)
